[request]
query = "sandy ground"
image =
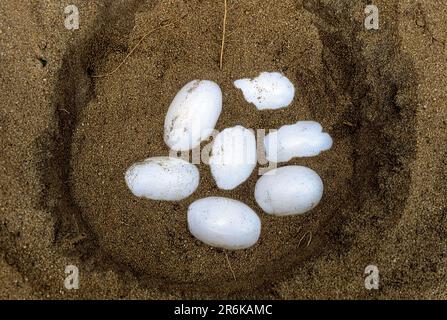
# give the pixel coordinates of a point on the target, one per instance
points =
(68, 135)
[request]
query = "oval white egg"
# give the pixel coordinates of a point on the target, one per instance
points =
(162, 178)
(289, 190)
(269, 90)
(302, 139)
(224, 223)
(192, 115)
(233, 157)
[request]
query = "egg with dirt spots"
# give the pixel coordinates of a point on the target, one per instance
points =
(269, 90)
(162, 178)
(192, 115)
(224, 223)
(289, 190)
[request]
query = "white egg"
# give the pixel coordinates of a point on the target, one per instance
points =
(270, 90)
(289, 190)
(162, 178)
(233, 157)
(224, 223)
(192, 115)
(302, 139)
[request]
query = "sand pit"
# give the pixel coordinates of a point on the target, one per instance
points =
(70, 130)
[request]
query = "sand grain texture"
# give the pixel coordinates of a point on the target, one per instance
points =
(68, 137)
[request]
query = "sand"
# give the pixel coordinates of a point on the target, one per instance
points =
(69, 135)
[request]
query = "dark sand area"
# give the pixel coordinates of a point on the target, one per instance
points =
(67, 136)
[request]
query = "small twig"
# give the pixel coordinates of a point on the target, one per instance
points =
(299, 242)
(223, 35)
(135, 47)
(229, 34)
(310, 240)
(302, 238)
(347, 123)
(229, 265)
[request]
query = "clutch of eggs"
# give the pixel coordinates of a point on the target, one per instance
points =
(191, 119)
